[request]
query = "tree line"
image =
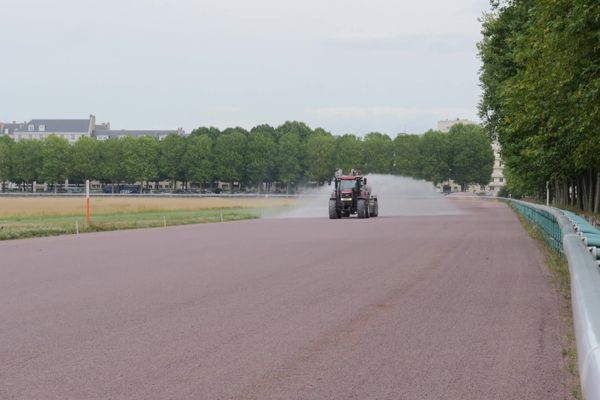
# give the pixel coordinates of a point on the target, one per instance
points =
(541, 96)
(264, 158)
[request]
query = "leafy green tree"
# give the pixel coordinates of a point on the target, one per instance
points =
(303, 133)
(85, 160)
(540, 95)
(266, 129)
(212, 132)
(434, 151)
(56, 160)
(229, 152)
(320, 150)
(140, 159)
(378, 149)
(197, 159)
(471, 155)
(496, 51)
(349, 153)
(6, 161)
(237, 129)
(300, 129)
(148, 152)
(111, 161)
(171, 152)
(406, 158)
(260, 157)
(27, 161)
(288, 159)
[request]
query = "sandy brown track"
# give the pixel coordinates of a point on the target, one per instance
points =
(441, 307)
(11, 207)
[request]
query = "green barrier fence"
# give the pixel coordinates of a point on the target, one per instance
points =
(544, 221)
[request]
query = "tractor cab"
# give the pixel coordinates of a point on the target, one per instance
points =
(348, 183)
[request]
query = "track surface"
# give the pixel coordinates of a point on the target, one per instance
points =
(441, 307)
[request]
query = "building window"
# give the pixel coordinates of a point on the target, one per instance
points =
(42, 128)
(501, 179)
(6, 131)
(31, 128)
(499, 163)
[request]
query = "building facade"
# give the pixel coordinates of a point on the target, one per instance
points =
(105, 134)
(498, 181)
(8, 128)
(70, 129)
(74, 129)
(445, 125)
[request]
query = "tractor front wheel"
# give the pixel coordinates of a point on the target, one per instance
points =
(333, 211)
(362, 209)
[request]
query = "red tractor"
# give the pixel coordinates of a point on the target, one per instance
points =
(352, 196)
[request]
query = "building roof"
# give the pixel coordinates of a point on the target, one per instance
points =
(58, 125)
(11, 126)
(135, 133)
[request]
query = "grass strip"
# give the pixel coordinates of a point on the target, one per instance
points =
(29, 227)
(558, 266)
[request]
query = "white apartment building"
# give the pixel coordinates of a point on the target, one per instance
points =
(498, 181)
(445, 125)
(70, 129)
(105, 134)
(74, 129)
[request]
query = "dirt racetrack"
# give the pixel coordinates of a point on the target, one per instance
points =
(430, 307)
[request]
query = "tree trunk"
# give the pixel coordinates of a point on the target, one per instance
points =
(571, 193)
(591, 190)
(588, 191)
(583, 185)
(581, 192)
(597, 194)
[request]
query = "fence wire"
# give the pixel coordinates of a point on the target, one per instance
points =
(544, 221)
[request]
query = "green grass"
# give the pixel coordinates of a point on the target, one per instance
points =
(561, 278)
(32, 226)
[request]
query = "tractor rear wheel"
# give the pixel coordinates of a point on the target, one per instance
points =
(333, 211)
(362, 209)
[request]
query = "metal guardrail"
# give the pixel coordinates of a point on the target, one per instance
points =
(564, 231)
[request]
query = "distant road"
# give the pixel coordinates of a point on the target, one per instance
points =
(430, 307)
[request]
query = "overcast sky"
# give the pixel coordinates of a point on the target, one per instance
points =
(348, 66)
